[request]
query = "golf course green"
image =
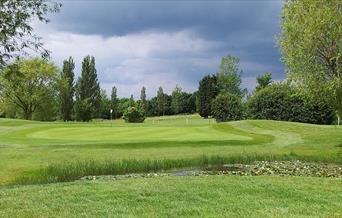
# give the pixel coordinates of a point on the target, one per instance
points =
(26, 147)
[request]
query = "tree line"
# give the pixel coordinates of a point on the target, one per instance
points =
(310, 43)
(37, 89)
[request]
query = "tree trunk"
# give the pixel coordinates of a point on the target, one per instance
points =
(28, 114)
(338, 120)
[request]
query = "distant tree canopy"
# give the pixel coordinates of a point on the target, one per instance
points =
(227, 80)
(311, 45)
(33, 89)
(114, 102)
(229, 76)
(133, 115)
(263, 81)
(131, 101)
(105, 106)
(29, 85)
(161, 101)
(16, 31)
(178, 101)
(143, 100)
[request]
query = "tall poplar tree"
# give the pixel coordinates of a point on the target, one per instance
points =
(88, 93)
(161, 102)
(143, 101)
(114, 102)
(67, 89)
(131, 101)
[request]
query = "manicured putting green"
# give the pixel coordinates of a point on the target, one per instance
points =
(140, 133)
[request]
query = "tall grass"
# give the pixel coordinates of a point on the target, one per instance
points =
(70, 171)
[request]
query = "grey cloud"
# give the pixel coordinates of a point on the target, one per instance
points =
(245, 28)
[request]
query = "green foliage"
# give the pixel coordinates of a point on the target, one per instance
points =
(143, 100)
(131, 101)
(88, 96)
(178, 100)
(207, 91)
(84, 109)
(115, 103)
(29, 85)
(67, 89)
(263, 81)
(161, 102)
(189, 101)
(133, 115)
(105, 106)
(229, 76)
(152, 107)
(123, 105)
(283, 102)
(47, 110)
(9, 110)
(227, 107)
(16, 31)
(311, 45)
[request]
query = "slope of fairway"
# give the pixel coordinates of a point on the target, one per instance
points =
(211, 196)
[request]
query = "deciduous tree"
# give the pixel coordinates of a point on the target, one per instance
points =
(311, 45)
(29, 84)
(16, 31)
(229, 76)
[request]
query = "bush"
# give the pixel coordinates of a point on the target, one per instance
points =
(227, 107)
(284, 102)
(133, 115)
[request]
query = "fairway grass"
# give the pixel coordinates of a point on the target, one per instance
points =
(54, 153)
(28, 146)
(202, 196)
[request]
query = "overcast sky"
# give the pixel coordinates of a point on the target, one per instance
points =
(164, 43)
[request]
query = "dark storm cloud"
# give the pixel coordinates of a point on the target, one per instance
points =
(216, 19)
(208, 30)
